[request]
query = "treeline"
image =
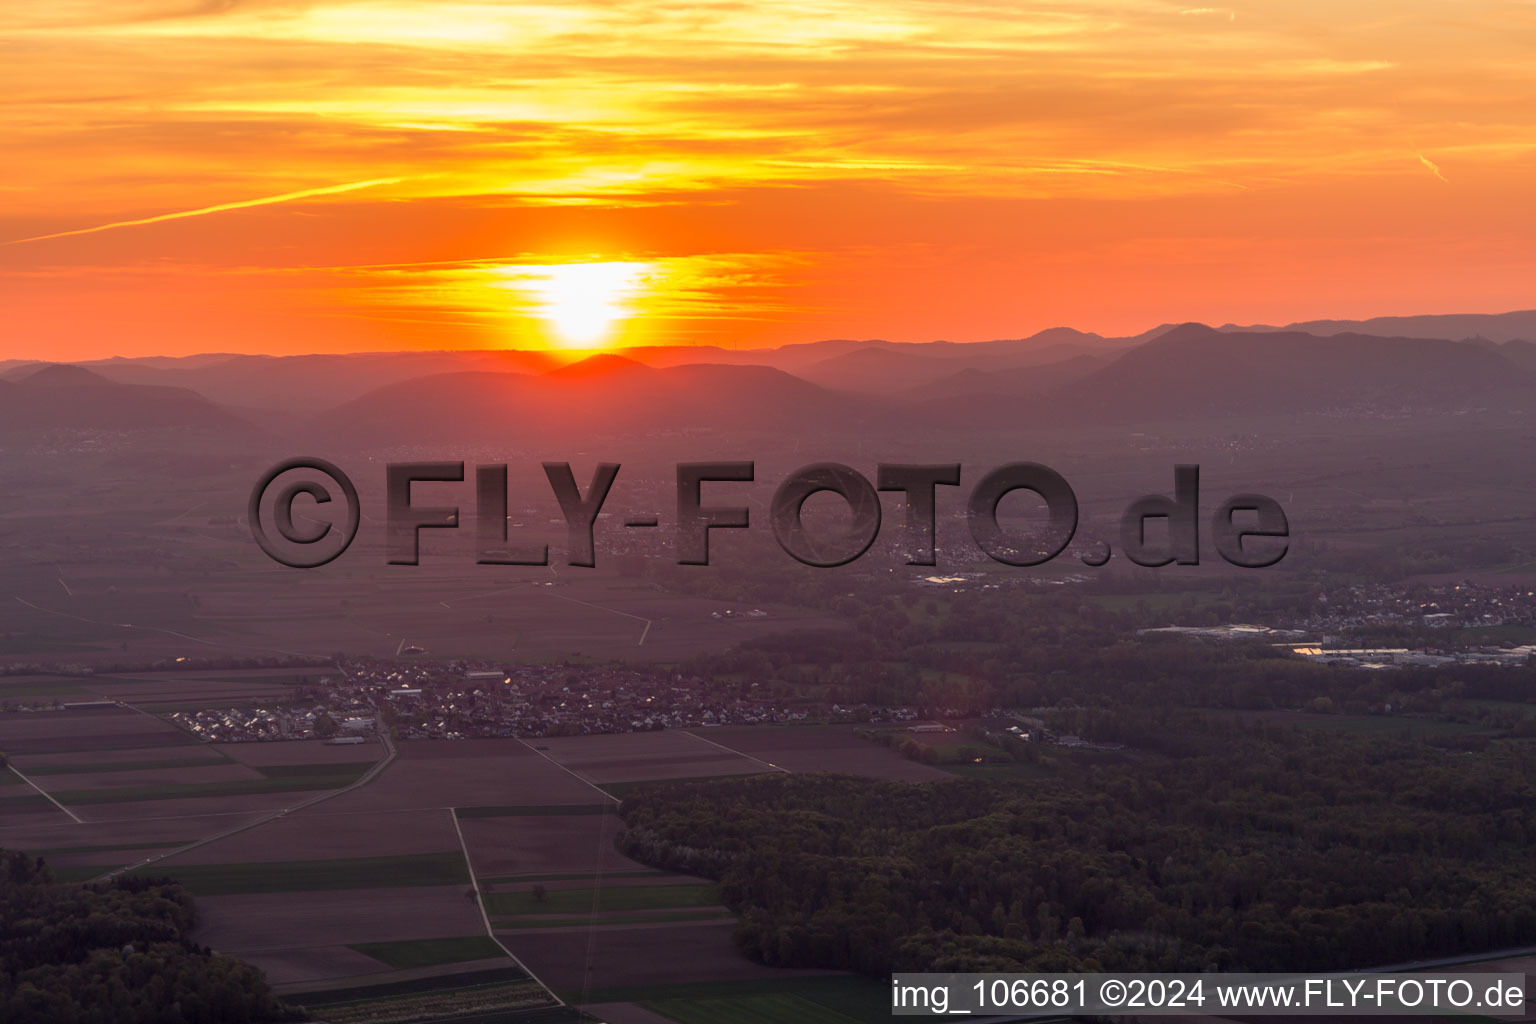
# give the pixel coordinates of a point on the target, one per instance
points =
(115, 953)
(975, 744)
(1028, 653)
(1285, 851)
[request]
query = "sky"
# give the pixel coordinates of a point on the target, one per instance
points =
(185, 176)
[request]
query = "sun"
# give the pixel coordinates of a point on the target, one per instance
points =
(582, 301)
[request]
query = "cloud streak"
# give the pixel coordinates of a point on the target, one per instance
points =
(243, 204)
(1433, 169)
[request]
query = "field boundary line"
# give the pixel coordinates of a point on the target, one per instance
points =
(611, 611)
(45, 794)
(597, 878)
(485, 918)
(573, 773)
(738, 753)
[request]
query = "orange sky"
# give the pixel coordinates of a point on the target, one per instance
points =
(750, 173)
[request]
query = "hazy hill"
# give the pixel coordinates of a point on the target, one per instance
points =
(1455, 326)
(1015, 380)
(1186, 372)
(283, 387)
(1194, 371)
(1520, 352)
(61, 396)
(606, 394)
(880, 370)
(306, 384)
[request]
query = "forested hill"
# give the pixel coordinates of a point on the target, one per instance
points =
(1287, 852)
(115, 954)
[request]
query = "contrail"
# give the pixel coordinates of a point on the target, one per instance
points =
(241, 205)
(1432, 168)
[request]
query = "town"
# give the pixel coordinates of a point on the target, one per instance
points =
(458, 699)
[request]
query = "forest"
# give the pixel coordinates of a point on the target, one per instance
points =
(115, 953)
(1259, 811)
(1250, 847)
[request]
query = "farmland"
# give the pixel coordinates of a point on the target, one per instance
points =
(372, 897)
(393, 872)
(646, 756)
(601, 900)
(430, 952)
(825, 999)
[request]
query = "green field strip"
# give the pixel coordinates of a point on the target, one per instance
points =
(60, 851)
(411, 953)
(532, 810)
(397, 872)
(189, 790)
(611, 898)
(485, 1004)
(10, 778)
(547, 1014)
(860, 998)
(127, 766)
(576, 922)
(779, 1008)
(590, 876)
(414, 986)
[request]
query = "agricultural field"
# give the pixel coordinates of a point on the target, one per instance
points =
(296, 752)
(319, 834)
(573, 909)
(600, 899)
(431, 952)
(87, 730)
(409, 888)
(647, 756)
(156, 687)
(468, 773)
(812, 1000)
(579, 959)
(505, 847)
(96, 789)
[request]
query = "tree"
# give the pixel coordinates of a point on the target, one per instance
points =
(538, 892)
(325, 725)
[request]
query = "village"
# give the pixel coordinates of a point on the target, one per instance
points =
(415, 700)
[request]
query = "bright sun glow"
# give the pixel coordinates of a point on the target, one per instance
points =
(582, 301)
